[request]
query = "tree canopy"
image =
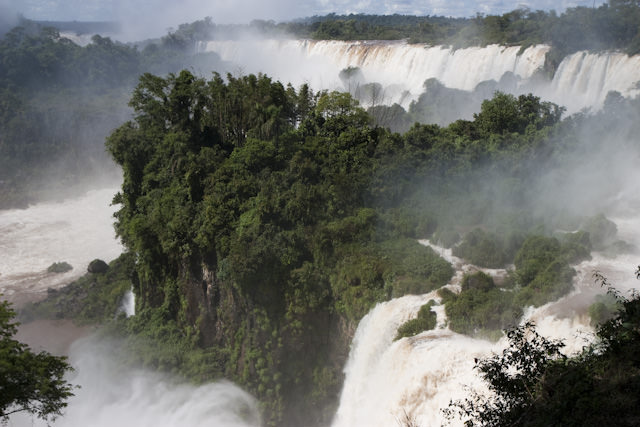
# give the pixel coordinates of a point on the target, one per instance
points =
(29, 382)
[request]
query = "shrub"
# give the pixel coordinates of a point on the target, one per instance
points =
(482, 249)
(481, 308)
(480, 281)
(576, 246)
(535, 254)
(426, 320)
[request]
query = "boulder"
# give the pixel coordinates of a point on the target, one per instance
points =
(97, 266)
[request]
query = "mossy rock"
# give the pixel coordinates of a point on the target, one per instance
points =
(59, 267)
(97, 266)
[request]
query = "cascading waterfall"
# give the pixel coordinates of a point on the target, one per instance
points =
(581, 81)
(414, 378)
(128, 306)
(386, 380)
(584, 79)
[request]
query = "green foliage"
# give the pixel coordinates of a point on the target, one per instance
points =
(58, 103)
(536, 253)
(416, 269)
(610, 26)
(543, 271)
(576, 246)
(512, 378)
(604, 308)
(480, 308)
(602, 231)
(505, 113)
(59, 267)
(265, 222)
(482, 249)
(29, 382)
(426, 320)
(477, 281)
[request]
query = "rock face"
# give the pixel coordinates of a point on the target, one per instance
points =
(97, 266)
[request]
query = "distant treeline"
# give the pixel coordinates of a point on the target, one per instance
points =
(81, 27)
(59, 101)
(614, 25)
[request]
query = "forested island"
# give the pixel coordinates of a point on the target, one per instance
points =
(262, 221)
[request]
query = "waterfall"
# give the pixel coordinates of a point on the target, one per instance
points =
(416, 375)
(420, 375)
(582, 80)
(128, 306)
(78, 230)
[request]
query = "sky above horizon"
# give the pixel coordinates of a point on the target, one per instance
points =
(160, 15)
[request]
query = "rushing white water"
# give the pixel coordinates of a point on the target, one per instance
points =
(581, 81)
(584, 79)
(414, 378)
(128, 306)
(111, 395)
(75, 231)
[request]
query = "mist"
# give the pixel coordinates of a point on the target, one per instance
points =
(109, 393)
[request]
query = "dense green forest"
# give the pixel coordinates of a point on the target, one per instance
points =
(613, 25)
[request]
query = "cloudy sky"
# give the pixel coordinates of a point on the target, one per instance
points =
(164, 14)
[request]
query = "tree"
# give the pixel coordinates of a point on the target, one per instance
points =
(512, 378)
(31, 382)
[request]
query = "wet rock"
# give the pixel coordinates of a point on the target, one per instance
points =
(97, 266)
